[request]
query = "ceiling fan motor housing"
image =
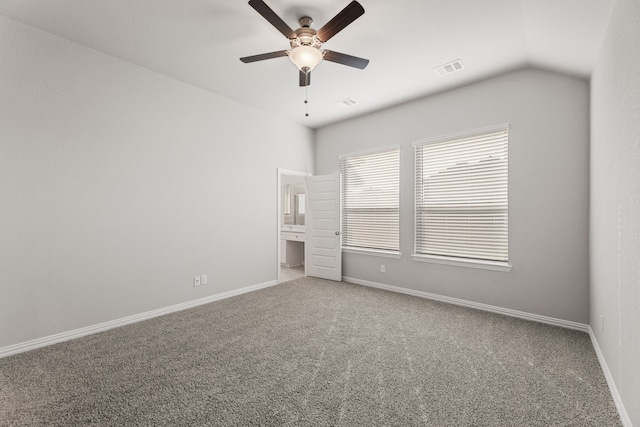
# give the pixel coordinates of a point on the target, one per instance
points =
(306, 36)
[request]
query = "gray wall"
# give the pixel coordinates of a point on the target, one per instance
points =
(118, 185)
(548, 189)
(615, 202)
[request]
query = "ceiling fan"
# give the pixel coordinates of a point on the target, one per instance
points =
(306, 42)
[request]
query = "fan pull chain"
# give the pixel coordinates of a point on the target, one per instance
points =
(306, 101)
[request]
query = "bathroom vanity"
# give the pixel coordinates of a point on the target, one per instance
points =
(292, 246)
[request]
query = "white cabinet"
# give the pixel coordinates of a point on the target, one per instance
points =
(291, 249)
(292, 236)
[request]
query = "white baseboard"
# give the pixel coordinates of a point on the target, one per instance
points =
(77, 333)
(624, 416)
(471, 304)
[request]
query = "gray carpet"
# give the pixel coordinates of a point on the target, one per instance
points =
(313, 352)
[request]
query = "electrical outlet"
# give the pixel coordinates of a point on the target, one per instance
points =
(204, 279)
(382, 268)
(601, 323)
(196, 281)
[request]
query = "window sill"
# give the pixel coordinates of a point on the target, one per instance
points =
(484, 265)
(373, 252)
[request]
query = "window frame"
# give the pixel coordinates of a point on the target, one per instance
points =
(381, 252)
(486, 264)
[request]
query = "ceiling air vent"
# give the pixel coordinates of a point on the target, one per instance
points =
(449, 68)
(347, 102)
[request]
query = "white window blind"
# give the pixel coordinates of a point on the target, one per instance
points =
(461, 196)
(370, 200)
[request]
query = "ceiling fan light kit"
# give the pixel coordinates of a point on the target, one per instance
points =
(306, 42)
(305, 57)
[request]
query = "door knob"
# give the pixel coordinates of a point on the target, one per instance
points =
(337, 233)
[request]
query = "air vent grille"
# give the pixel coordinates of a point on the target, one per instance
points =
(347, 102)
(449, 68)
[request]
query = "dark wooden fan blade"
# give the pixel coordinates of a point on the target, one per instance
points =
(268, 14)
(344, 59)
(349, 14)
(263, 56)
(305, 78)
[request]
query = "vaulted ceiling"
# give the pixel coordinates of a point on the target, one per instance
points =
(199, 42)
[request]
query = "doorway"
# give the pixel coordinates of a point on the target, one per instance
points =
(291, 225)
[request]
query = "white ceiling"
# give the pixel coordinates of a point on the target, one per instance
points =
(200, 41)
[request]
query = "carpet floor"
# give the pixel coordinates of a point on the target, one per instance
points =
(312, 352)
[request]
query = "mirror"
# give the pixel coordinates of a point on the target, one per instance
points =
(294, 204)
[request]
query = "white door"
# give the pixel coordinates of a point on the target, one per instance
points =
(322, 248)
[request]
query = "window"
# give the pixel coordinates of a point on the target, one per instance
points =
(370, 200)
(461, 198)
